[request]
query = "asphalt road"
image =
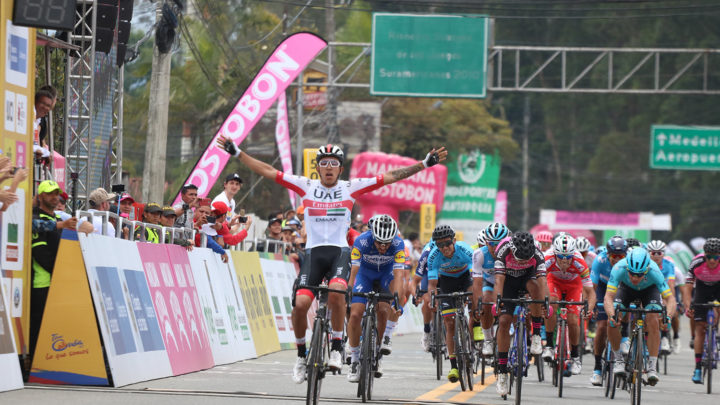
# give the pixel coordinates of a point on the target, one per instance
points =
(409, 379)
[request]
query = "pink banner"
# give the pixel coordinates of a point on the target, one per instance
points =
(282, 67)
(177, 306)
(282, 137)
(600, 218)
(501, 207)
(59, 170)
(574, 232)
(428, 186)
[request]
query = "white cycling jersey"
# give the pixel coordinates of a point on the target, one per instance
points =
(328, 210)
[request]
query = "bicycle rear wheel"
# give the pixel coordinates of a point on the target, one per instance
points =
(468, 355)
(638, 367)
(316, 362)
(459, 356)
(439, 338)
(561, 356)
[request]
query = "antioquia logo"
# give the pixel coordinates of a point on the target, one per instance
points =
(471, 166)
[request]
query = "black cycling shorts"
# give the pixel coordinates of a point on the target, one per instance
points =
(514, 287)
(704, 293)
(626, 295)
(448, 285)
(331, 263)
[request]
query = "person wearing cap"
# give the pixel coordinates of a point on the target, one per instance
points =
(151, 215)
(185, 209)
(99, 201)
(167, 219)
(44, 248)
(126, 206)
(202, 226)
(225, 237)
(232, 185)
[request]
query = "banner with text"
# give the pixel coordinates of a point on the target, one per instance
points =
(471, 191)
(425, 187)
(11, 375)
(282, 67)
(280, 276)
(128, 311)
(605, 220)
(282, 137)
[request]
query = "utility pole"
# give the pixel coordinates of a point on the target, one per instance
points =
(332, 129)
(526, 166)
(156, 143)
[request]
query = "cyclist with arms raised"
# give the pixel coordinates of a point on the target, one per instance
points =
(615, 250)
(704, 276)
(520, 266)
(449, 270)
(484, 279)
(378, 256)
(638, 278)
(328, 204)
(567, 276)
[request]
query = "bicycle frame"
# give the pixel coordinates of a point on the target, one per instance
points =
(463, 347)
(711, 347)
(562, 337)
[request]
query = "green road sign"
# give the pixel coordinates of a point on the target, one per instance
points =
(429, 55)
(685, 148)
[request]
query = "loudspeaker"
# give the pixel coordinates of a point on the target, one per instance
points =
(126, 10)
(104, 39)
(123, 32)
(106, 16)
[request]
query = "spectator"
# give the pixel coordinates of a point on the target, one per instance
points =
(273, 235)
(151, 215)
(61, 208)
(274, 229)
(18, 175)
(201, 224)
(232, 185)
(185, 209)
(126, 206)
(44, 250)
(99, 201)
(168, 217)
(220, 210)
(300, 212)
(416, 250)
(289, 214)
(295, 224)
(45, 99)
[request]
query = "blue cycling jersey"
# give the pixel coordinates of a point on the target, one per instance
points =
(668, 269)
(365, 254)
(484, 265)
(456, 266)
(654, 276)
(601, 269)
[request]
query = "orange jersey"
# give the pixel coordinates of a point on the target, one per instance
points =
(577, 269)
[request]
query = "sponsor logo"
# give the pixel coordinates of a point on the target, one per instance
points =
(400, 257)
(59, 343)
(355, 254)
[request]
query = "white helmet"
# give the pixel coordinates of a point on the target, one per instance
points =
(656, 246)
(481, 238)
(582, 244)
(564, 245)
(384, 228)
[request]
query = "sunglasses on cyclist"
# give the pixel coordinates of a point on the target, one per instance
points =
(561, 257)
(442, 245)
(636, 275)
(657, 253)
(329, 162)
(493, 242)
(613, 256)
(712, 257)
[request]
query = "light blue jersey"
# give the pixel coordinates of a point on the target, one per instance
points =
(459, 264)
(653, 277)
(601, 269)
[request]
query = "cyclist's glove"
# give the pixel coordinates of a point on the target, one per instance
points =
(431, 159)
(231, 148)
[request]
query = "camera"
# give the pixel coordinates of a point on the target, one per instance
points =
(118, 188)
(185, 206)
(242, 220)
(211, 219)
(15, 169)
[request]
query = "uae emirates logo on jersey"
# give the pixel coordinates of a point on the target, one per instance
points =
(471, 166)
(326, 212)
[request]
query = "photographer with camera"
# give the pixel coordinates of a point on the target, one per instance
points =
(185, 209)
(204, 223)
(225, 237)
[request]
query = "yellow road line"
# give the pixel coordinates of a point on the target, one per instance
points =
(434, 394)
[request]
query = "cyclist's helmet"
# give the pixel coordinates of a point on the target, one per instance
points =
(617, 245)
(384, 228)
(481, 238)
(712, 246)
(632, 242)
(523, 245)
(442, 232)
(372, 220)
(656, 246)
(545, 237)
(564, 245)
(496, 231)
(638, 261)
(582, 244)
(330, 150)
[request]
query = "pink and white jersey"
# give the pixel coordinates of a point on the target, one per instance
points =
(699, 270)
(328, 210)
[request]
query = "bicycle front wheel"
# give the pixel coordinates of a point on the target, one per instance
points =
(562, 351)
(439, 339)
(315, 363)
(468, 355)
(639, 355)
(459, 355)
(521, 338)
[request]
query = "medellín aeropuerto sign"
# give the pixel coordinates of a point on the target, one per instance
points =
(684, 147)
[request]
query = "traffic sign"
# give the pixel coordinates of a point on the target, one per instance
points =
(684, 147)
(429, 55)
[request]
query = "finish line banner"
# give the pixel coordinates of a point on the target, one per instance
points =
(282, 67)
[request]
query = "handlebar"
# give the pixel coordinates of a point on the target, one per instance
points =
(456, 295)
(321, 288)
(563, 304)
(706, 305)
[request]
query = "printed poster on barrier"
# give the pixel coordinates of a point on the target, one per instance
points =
(68, 346)
(221, 306)
(11, 375)
(254, 293)
(279, 277)
(127, 314)
(177, 305)
(471, 191)
(13, 234)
